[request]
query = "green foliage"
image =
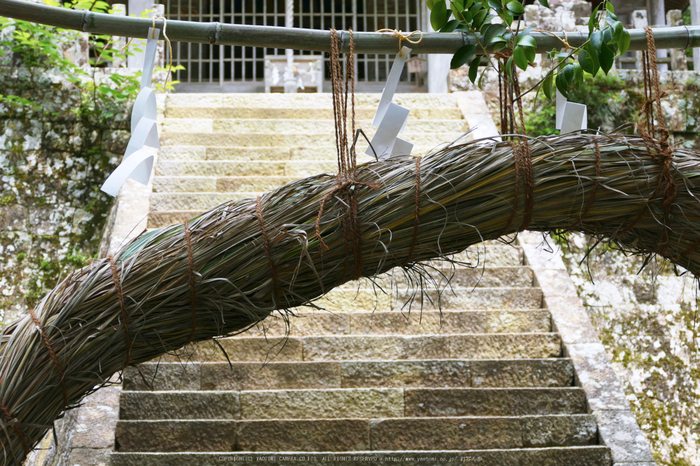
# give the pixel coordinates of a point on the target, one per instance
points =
(611, 103)
(36, 48)
(492, 24)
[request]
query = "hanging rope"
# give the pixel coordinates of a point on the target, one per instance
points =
(512, 123)
(347, 160)
(655, 135)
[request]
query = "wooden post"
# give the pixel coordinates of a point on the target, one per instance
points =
(136, 8)
(438, 65)
(657, 19)
(290, 82)
(695, 20)
(119, 42)
(678, 60)
(639, 20)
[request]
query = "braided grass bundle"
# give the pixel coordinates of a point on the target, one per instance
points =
(237, 263)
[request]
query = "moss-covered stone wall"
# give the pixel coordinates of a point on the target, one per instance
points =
(648, 322)
(53, 160)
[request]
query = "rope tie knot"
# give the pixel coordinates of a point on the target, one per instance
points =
(656, 139)
(347, 160)
(405, 37)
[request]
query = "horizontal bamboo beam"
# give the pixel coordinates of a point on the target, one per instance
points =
(682, 37)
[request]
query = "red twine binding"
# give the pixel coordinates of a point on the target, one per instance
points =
(52, 354)
(16, 428)
(266, 242)
(416, 215)
(521, 150)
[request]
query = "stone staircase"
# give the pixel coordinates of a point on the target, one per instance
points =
(479, 378)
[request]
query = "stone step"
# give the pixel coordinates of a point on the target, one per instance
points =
(593, 455)
(286, 126)
(305, 100)
(405, 323)
(374, 347)
(517, 276)
(333, 435)
(456, 373)
(262, 154)
(224, 184)
(218, 168)
(291, 140)
(301, 113)
(349, 300)
(410, 299)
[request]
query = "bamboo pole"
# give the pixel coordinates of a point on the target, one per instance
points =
(216, 33)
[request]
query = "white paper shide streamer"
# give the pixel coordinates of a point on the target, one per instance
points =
(140, 152)
(390, 118)
(570, 116)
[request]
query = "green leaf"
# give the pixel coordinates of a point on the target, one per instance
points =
(450, 26)
(492, 31)
(548, 85)
(462, 56)
(497, 45)
(516, 7)
(431, 4)
(578, 74)
(562, 85)
(607, 35)
(457, 13)
(438, 17)
(606, 58)
(568, 73)
(596, 40)
(624, 42)
(618, 28)
(506, 17)
(593, 55)
(584, 58)
(593, 20)
(544, 3)
(609, 6)
(530, 54)
(520, 58)
(526, 41)
(479, 18)
(496, 5)
(457, 5)
(474, 69)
